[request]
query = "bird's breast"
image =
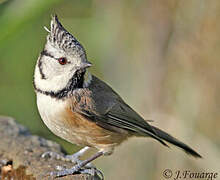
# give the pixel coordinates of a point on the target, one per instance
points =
(50, 110)
(60, 118)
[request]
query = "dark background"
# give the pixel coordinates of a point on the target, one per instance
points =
(161, 56)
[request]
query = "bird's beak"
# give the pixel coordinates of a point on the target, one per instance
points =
(84, 65)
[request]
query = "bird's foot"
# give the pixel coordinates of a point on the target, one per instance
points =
(91, 170)
(74, 158)
(57, 156)
(82, 167)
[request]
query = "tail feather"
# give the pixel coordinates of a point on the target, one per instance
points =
(165, 136)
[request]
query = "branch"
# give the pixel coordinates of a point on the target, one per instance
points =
(20, 154)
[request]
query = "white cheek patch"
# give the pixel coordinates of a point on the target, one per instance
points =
(56, 81)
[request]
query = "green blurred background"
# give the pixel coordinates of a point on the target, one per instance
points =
(161, 56)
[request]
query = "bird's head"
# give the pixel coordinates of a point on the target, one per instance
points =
(63, 61)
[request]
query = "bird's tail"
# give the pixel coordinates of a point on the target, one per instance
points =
(165, 136)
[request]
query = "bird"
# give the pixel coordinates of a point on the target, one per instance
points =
(82, 109)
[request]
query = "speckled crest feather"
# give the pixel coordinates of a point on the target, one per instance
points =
(60, 38)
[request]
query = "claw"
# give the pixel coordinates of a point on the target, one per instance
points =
(50, 154)
(65, 172)
(60, 168)
(92, 172)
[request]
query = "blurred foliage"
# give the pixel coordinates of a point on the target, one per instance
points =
(161, 56)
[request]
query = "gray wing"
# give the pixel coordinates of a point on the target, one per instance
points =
(107, 109)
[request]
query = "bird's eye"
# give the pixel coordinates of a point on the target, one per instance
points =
(62, 60)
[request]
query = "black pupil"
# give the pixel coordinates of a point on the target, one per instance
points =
(62, 61)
